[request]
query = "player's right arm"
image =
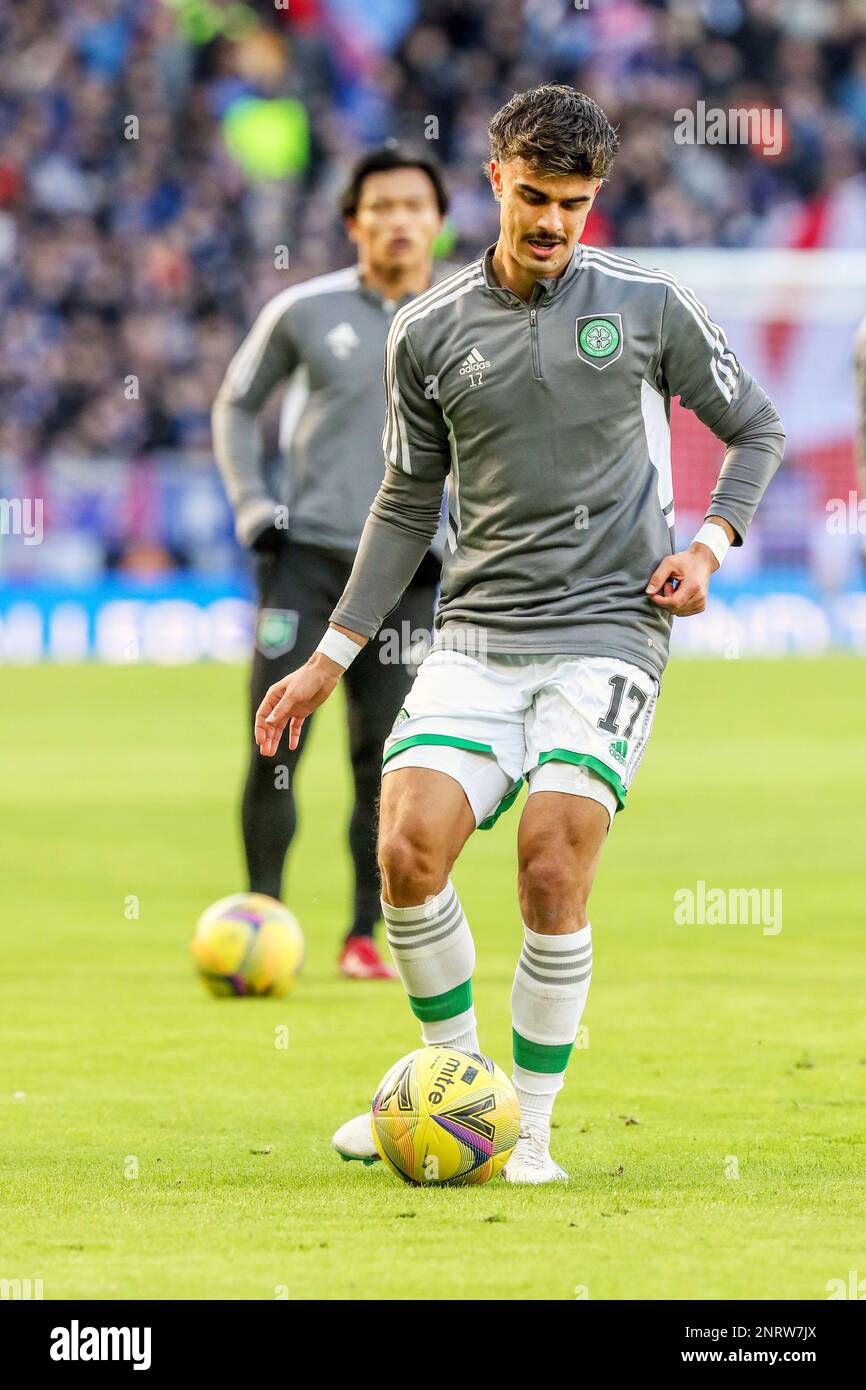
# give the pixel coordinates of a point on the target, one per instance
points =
(403, 520)
(291, 699)
(268, 354)
(696, 364)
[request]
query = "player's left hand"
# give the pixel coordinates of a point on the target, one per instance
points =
(681, 581)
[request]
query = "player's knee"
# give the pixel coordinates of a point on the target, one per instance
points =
(552, 892)
(411, 865)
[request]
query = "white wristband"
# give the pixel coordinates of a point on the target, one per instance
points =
(339, 647)
(715, 538)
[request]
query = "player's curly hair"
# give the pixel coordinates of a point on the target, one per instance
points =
(557, 130)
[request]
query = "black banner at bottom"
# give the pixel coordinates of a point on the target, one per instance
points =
(160, 1337)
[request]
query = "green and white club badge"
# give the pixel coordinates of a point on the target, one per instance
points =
(598, 339)
(276, 631)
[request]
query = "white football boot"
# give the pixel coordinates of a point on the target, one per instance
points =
(354, 1140)
(530, 1161)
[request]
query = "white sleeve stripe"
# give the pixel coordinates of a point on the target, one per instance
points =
(421, 301)
(622, 269)
(395, 422)
(398, 453)
(421, 305)
(726, 391)
(247, 359)
(683, 294)
(454, 512)
(293, 406)
(712, 333)
(397, 417)
(623, 263)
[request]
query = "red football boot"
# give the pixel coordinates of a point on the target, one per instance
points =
(360, 960)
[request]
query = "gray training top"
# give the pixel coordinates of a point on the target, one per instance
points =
(327, 338)
(550, 421)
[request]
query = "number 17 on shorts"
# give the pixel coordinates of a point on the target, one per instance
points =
(596, 712)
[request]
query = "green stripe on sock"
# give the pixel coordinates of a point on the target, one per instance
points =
(439, 1006)
(533, 1056)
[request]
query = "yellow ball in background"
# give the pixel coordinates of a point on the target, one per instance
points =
(247, 944)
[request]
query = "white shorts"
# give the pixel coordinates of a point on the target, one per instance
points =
(575, 724)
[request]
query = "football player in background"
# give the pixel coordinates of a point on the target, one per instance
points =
(325, 339)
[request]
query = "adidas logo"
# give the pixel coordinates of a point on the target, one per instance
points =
(473, 363)
(618, 749)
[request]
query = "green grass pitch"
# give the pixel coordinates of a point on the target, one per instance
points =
(732, 1050)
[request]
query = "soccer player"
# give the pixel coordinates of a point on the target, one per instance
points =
(554, 365)
(326, 337)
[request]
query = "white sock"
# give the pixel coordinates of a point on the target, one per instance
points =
(434, 953)
(468, 1041)
(535, 1111)
(551, 985)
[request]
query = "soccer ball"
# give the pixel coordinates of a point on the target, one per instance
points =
(247, 944)
(445, 1116)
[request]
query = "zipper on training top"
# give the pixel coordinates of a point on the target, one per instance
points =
(533, 337)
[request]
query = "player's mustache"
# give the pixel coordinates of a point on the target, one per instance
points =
(545, 241)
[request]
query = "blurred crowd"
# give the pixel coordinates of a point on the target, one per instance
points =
(166, 165)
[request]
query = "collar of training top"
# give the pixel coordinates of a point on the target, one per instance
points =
(379, 299)
(440, 270)
(543, 290)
